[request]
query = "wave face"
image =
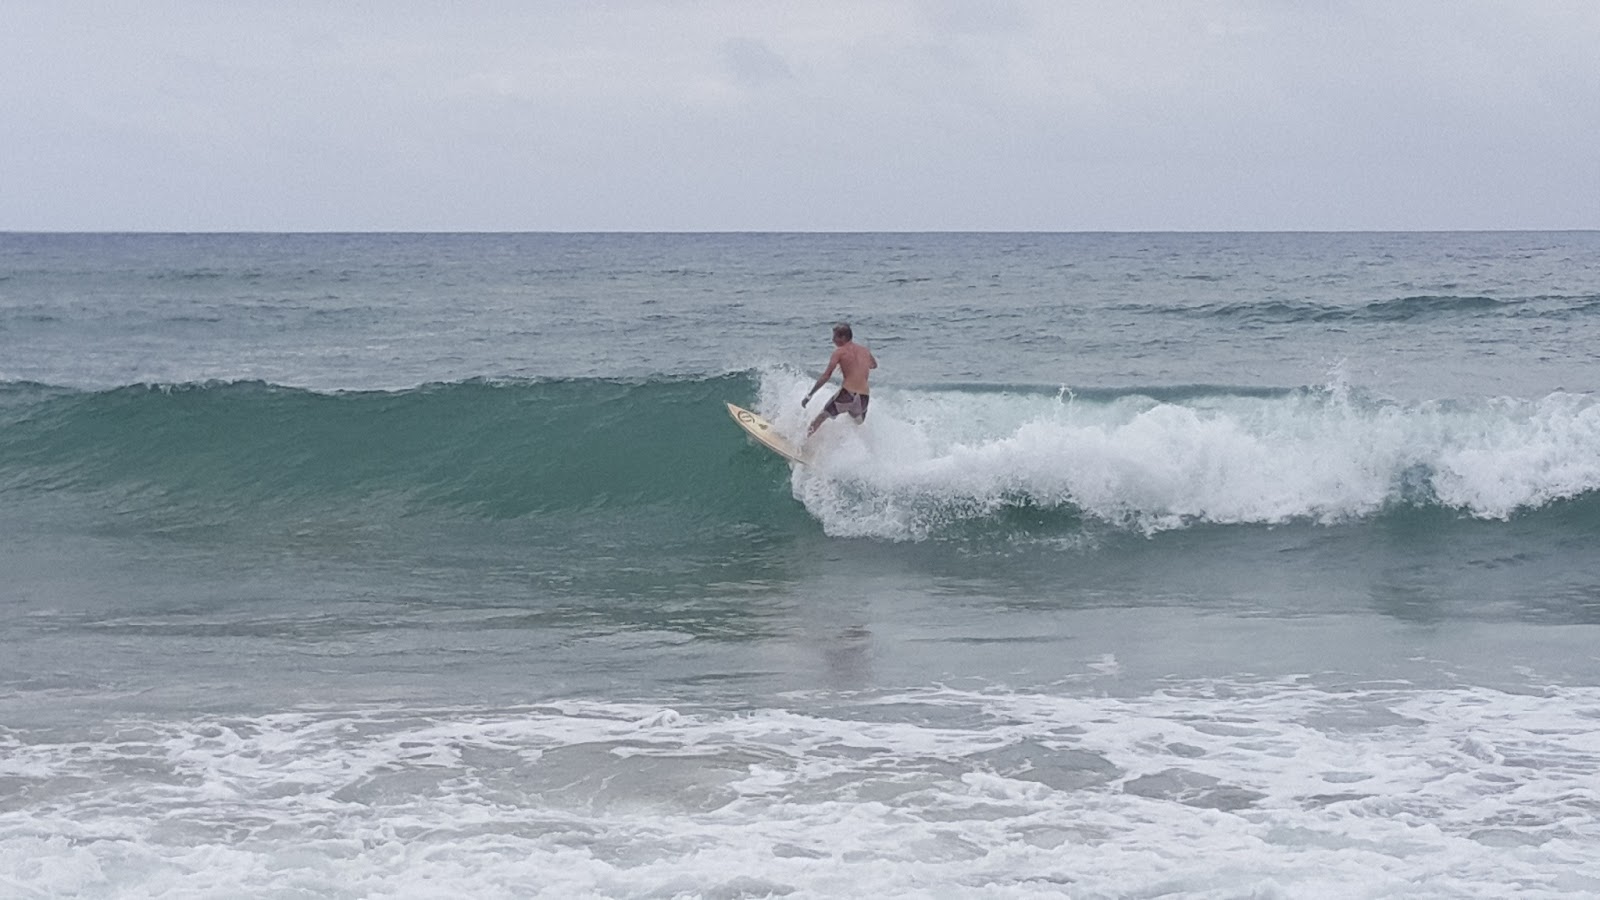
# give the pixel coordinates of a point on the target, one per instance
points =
(929, 463)
(477, 449)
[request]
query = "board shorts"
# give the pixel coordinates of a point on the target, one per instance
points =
(846, 402)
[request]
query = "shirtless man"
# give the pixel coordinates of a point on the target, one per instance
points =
(854, 361)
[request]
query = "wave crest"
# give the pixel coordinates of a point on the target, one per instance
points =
(930, 462)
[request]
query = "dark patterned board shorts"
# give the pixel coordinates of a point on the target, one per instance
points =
(846, 402)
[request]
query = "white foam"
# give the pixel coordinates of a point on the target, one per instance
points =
(1204, 788)
(926, 460)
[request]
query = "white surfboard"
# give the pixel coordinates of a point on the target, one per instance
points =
(762, 430)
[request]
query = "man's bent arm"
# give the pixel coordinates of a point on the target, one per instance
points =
(833, 363)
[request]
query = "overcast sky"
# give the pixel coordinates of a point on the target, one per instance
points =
(807, 115)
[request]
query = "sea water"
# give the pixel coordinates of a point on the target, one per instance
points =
(1215, 565)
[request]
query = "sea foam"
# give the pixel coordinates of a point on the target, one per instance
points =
(929, 459)
(1275, 787)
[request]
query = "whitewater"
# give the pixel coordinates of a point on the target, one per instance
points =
(1164, 565)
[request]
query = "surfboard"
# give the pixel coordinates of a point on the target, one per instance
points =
(762, 430)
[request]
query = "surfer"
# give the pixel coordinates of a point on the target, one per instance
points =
(854, 361)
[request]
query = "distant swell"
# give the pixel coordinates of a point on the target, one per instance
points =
(1419, 308)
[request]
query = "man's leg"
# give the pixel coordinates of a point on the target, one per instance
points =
(829, 410)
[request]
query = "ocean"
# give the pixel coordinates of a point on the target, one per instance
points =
(412, 565)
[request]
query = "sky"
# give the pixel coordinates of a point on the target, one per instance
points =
(745, 115)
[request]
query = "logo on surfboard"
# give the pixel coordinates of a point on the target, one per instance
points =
(762, 431)
(750, 420)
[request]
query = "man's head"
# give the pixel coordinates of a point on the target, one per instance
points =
(841, 334)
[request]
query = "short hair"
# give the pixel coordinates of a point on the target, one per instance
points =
(843, 330)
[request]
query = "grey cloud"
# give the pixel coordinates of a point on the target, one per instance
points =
(753, 63)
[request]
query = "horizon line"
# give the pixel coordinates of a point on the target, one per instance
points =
(784, 231)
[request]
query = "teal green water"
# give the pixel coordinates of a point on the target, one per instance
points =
(365, 565)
